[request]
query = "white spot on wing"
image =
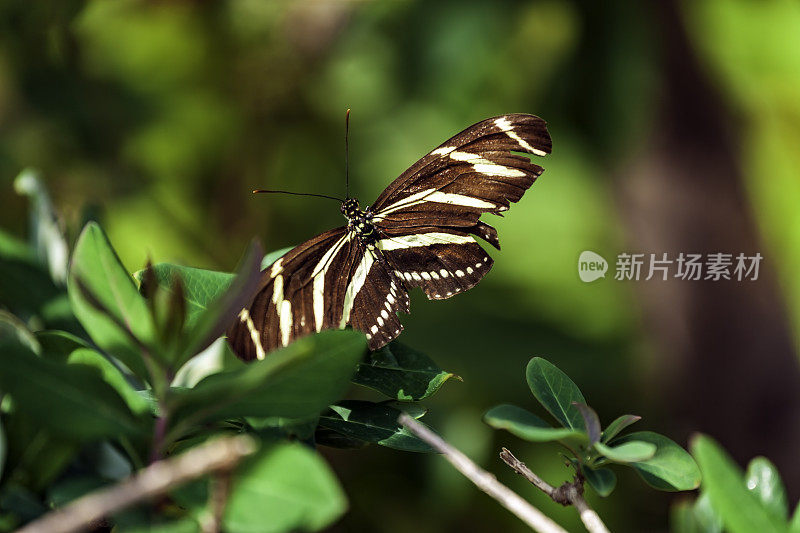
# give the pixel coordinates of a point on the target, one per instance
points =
(245, 317)
(422, 239)
(286, 321)
(277, 268)
(355, 285)
(504, 124)
(444, 150)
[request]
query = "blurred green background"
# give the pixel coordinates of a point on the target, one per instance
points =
(675, 128)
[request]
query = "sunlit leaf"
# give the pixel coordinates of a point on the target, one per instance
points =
(201, 287)
(49, 241)
(287, 487)
(96, 266)
(740, 509)
(274, 256)
(220, 312)
(763, 480)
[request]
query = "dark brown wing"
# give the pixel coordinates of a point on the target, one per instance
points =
(472, 173)
(300, 293)
(377, 295)
(428, 216)
(443, 262)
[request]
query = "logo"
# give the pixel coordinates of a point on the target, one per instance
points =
(591, 266)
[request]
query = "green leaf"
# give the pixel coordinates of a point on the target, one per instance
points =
(95, 265)
(35, 455)
(670, 469)
(556, 392)
(371, 422)
(763, 480)
(629, 452)
(602, 480)
(401, 372)
(25, 284)
(615, 427)
(221, 312)
(137, 403)
(590, 421)
(13, 329)
(295, 382)
(707, 518)
(57, 345)
(72, 400)
(287, 487)
(794, 525)
(201, 287)
(740, 509)
(328, 437)
(527, 425)
(687, 516)
(274, 256)
(48, 239)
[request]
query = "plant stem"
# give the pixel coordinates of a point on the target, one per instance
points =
(482, 479)
(570, 493)
(219, 455)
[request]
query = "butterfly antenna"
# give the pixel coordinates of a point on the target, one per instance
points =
(258, 191)
(347, 153)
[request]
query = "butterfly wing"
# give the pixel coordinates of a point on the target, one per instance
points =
(330, 281)
(428, 217)
(300, 293)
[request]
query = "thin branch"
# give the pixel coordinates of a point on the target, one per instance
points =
(219, 455)
(570, 493)
(485, 481)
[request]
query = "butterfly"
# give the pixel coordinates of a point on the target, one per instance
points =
(420, 232)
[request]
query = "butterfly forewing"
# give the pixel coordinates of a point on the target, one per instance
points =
(419, 233)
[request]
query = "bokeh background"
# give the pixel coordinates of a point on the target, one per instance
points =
(675, 128)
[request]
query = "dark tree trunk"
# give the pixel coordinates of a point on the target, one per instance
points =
(726, 359)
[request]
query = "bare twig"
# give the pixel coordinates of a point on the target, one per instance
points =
(218, 500)
(220, 455)
(570, 493)
(485, 481)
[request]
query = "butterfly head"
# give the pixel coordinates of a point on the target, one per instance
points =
(350, 208)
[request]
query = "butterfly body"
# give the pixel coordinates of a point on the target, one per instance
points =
(420, 232)
(358, 221)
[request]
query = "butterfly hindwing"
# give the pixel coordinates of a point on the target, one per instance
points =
(300, 293)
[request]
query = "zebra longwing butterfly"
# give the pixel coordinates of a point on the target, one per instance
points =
(420, 232)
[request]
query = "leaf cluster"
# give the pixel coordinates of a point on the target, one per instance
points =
(732, 500)
(589, 448)
(103, 372)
